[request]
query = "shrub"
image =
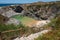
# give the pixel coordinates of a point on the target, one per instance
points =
(54, 34)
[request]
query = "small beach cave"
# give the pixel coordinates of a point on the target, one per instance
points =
(18, 9)
(43, 18)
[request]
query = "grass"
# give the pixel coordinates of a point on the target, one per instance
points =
(55, 33)
(4, 27)
(25, 20)
(25, 30)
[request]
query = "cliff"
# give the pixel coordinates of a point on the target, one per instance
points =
(38, 10)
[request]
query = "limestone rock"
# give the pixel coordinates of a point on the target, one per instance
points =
(13, 21)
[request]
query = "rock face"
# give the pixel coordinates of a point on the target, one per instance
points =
(3, 19)
(6, 13)
(43, 11)
(42, 23)
(10, 13)
(13, 21)
(38, 10)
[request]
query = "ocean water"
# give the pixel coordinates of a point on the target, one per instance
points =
(6, 4)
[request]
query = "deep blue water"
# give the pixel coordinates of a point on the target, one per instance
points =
(6, 4)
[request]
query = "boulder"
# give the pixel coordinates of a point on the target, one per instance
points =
(13, 21)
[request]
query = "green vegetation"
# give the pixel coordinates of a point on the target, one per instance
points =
(25, 30)
(4, 27)
(55, 33)
(8, 28)
(24, 20)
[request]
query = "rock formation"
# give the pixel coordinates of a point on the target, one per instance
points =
(38, 10)
(3, 19)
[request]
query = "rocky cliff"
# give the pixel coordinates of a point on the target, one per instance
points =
(38, 10)
(43, 10)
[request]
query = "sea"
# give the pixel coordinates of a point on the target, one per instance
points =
(6, 4)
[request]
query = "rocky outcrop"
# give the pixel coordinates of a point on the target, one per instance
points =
(10, 13)
(38, 10)
(33, 36)
(43, 11)
(3, 19)
(41, 23)
(13, 21)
